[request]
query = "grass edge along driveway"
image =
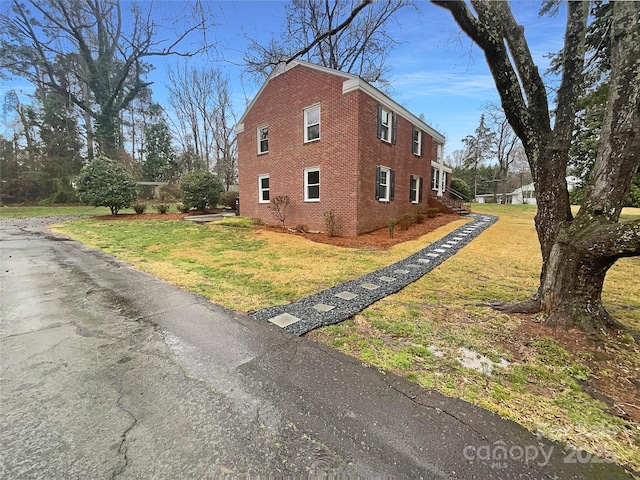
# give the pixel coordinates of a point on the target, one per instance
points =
(562, 384)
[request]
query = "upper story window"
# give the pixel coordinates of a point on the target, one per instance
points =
(417, 146)
(311, 184)
(263, 139)
(385, 184)
(312, 123)
(263, 188)
(387, 125)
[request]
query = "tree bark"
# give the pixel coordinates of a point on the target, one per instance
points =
(576, 253)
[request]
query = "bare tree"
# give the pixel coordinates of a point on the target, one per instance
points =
(104, 54)
(316, 31)
(505, 147)
(224, 133)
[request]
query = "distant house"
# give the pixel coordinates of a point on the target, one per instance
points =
(525, 194)
(330, 141)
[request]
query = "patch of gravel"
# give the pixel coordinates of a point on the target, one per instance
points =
(388, 280)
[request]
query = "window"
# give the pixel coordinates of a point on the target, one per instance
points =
(415, 189)
(385, 184)
(387, 125)
(312, 185)
(312, 123)
(263, 188)
(435, 178)
(263, 139)
(417, 145)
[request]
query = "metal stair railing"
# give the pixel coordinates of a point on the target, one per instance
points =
(457, 200)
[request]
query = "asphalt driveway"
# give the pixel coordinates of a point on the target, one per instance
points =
(109, 372)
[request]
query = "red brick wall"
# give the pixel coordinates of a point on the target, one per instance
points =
(374, 214)
(347, 154)
(281, 105)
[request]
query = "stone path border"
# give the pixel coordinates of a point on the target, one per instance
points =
(343, 301)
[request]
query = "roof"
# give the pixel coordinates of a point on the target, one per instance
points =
(352, 82)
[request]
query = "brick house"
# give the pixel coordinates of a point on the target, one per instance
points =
(329, 140)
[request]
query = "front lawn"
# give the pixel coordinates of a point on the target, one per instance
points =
(571, 388)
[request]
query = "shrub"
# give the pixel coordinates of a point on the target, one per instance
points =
(182, 208)
(139, 208)
(432, 212)
(200, 189)
(169, 192)
(106, 183)
(391, 223)
(420, 215)
(162, 208)
(279, 207)
(461, 186)
(406, 220)
(330, 222)
(228, 199)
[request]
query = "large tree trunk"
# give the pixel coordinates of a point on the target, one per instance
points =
(576, 253)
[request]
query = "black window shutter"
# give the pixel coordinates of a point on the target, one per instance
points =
(379, 124)
(378, 182)
(422, 144)
(392, 187)
(394, 132)
(420, 190)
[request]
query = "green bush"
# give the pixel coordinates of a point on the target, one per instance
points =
(139, 208)
(200, 189)
(163, 208)
(106, 183)
(228, 199)
(461, 186)
(182, 208)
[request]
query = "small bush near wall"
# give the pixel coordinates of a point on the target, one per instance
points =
(406, 221)
(330, 222)
(163, 208)
(391, 224)
(139, 208)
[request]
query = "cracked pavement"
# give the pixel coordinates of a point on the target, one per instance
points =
(108, 372)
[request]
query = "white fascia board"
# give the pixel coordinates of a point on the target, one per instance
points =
(239, 128)
(441, 166)
(358, 83)
(283, 68)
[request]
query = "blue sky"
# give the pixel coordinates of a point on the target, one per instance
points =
(434, 70)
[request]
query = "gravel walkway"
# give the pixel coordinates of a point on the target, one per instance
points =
(343, 301)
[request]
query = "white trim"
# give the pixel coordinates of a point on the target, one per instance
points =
(415, 178)
(306, 184)
(306, 127)
(262, 190)
(419, 143)
(388, 125)
(259, 139)
(387, 197)
(240, 128)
